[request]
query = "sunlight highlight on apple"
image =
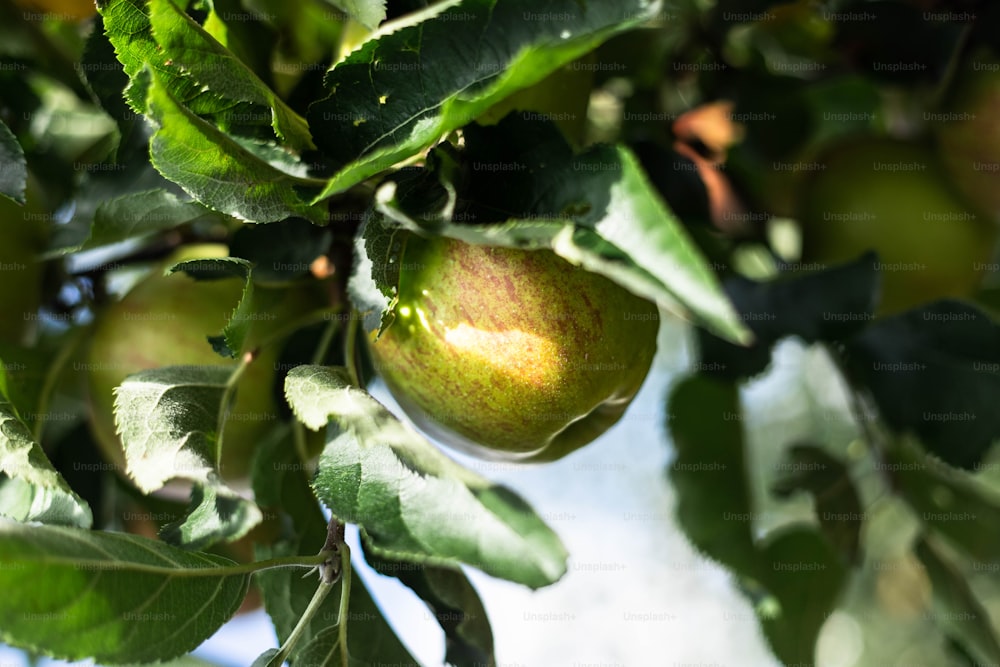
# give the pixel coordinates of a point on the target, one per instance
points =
(514, 352)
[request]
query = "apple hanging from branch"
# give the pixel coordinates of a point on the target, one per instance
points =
(511, 354)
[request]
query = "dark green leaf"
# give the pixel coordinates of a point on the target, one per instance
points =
(197, 53)
(114, 597)
(948, 501)
(126, 23)
(935, 372)
(13, 166)
(107, 79)
(216, 169)
(709, 473)
(266, 659)
(168, 421)
(827, 306)
(397, 94)
(323, 650)
(24, 373)
(233, 337)
(33, 490)
(806, 577)
(455, 604)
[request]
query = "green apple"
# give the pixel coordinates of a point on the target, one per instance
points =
(969, 135)
(511, 354)
(165, 321)
(892, 197)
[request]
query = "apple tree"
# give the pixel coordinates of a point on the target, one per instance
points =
(222, 221)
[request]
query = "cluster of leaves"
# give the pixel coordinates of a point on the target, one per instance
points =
(268, 126)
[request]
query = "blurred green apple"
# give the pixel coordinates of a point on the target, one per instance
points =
(64, 10)
(969, 135)
(164, 321)
(892, 197)
(511, 354)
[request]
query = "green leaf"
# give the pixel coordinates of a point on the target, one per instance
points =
(216, 514)
(267, 658)
(957, 611)
(806, 577)
(399, 93)
(13, 166)
(278, 476)
(455, 604)
(216, 169)
(412, 501)
(107, 80)
(709, 473)
(24, 374)
(189, 47)
(368, 13)
(110, 596)
(33, 490)
(139, 215)
(830, 305)
(234, 336)
(948, 501)
(934, 371)
(374, 282)
(168, 421)
(800, 573)
(126, 23)
(323, 649)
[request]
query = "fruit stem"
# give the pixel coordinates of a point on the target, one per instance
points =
(324, 344)
(299, 436)
(309, 319)
(351, 352)
(335, 544)
(300, 627)
(330, 571)
(345, 598)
